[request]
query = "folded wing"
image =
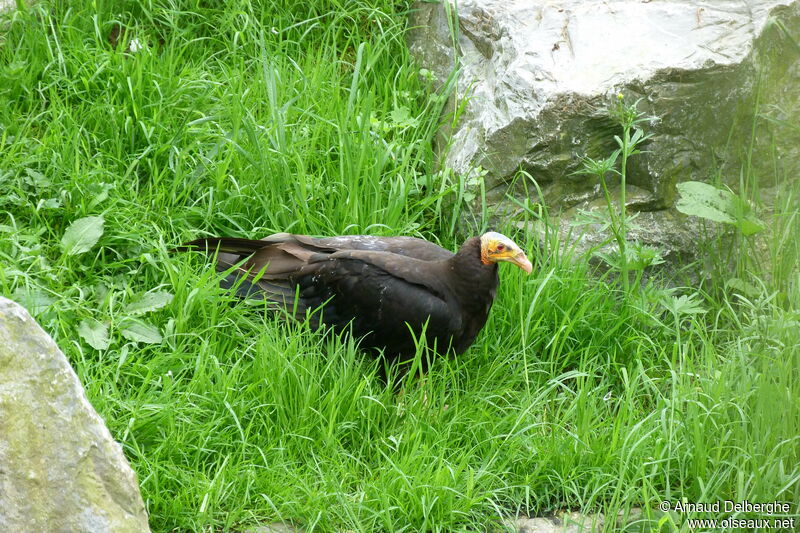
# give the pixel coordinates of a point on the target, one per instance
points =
(381, 288)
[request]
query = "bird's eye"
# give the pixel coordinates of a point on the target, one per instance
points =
(501, 247)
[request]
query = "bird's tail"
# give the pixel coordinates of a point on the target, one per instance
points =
(233, 257)
(231, 245)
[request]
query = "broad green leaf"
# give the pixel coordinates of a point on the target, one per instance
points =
(742, 287)
(149, 302)
(50, 203)
(401, 117)
(34, 300)
(37, 179)
(139, 331)
(82, 234)
(747, 222)
(750, 225)
(94, 333)
(720, 205)
(684, 305)
(706, 201)
(100, 192)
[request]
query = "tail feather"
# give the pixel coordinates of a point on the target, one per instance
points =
(281, 295)
(244, 289)
(259, 269)
(223, 244)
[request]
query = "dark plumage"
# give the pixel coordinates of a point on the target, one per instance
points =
(381, 287)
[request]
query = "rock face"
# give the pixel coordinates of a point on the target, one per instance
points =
(539, 76)
(574, 522)
(60, 470)
(7, 5)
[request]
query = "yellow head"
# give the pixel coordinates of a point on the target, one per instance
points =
(497, 247)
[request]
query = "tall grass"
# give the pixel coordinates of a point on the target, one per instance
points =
(244, 118)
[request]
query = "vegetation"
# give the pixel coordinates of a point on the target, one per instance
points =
(242, 119)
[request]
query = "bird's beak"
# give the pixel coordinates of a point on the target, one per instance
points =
(521, 260)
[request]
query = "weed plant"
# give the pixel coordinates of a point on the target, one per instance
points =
(245, 118)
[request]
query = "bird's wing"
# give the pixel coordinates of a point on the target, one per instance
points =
(380, 295)
(374, 290)
(406, 246)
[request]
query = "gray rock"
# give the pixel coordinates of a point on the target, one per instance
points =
(60, 469)
(539, 76)
(7, 5)
(564, 523)
(574, 522)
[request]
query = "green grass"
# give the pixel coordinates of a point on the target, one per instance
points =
(249, 119)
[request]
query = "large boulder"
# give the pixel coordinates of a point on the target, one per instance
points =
(8, 5)
(539, 75)
(60, 469)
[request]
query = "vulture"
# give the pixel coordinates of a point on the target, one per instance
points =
(386, 290)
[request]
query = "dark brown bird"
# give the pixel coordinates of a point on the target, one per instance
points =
(383, 288)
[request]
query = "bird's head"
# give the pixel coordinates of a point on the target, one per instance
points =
(497, 247)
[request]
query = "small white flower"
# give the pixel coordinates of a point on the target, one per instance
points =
(135, 45)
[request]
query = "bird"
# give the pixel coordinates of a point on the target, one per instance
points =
(389, 292)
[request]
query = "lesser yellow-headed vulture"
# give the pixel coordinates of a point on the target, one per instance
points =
(384, 288)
